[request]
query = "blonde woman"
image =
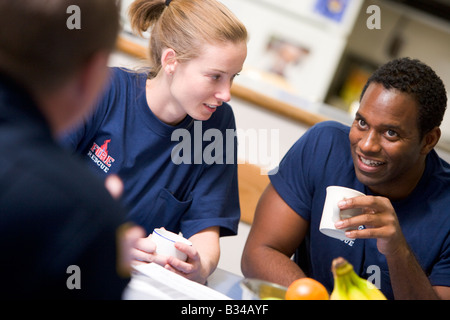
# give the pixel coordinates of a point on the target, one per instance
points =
(151, 129)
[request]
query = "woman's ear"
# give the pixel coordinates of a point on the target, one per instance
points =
(430, 140)
(169, 61)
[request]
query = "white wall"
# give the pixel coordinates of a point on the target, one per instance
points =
(311, 77)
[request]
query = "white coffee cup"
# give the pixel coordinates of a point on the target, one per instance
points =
(165, 243)
(331, 212)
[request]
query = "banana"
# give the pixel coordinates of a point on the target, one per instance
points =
(353, 292)
(340, 283)
(349, 286)
(369, 289)
(339, 291)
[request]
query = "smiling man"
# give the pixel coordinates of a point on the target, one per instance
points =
(386, 154)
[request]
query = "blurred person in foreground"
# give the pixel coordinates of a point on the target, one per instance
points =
(388, 154)
(59, 226)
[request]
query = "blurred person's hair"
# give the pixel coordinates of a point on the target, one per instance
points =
(38, 50)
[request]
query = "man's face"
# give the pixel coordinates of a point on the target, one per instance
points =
(385, 142)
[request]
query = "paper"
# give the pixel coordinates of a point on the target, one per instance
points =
(151, 281)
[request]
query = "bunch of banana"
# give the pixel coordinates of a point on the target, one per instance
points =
(349, 286)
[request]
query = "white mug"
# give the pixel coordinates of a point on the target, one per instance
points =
(331, 212)
(165, 243)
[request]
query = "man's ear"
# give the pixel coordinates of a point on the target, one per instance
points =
(430, 140)
(169, 61)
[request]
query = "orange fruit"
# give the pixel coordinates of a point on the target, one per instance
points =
(306, 289)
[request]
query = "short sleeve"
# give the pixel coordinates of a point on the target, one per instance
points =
(310, 163)
(291, 179)
(440, 273)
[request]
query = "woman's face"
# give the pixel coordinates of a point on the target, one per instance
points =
(199, 86)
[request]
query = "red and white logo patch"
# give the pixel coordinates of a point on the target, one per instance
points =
(100, 155)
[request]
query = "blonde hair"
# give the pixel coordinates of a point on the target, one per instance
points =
(184, 25)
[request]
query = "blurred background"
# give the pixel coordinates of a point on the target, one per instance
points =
(325, 49)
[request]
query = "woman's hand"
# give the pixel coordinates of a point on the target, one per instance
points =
(202, 256)
(192, 268)
(144, 251)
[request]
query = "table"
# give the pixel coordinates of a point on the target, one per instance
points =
(153, 282)
(226, 282)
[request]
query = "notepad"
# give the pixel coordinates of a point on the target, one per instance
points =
(151, 281)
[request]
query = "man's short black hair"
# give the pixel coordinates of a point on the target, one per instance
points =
(421, 82)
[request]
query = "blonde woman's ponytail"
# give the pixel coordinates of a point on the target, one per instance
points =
(143, 14)
(184, 26)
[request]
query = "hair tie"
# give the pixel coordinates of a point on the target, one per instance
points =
(168, 2)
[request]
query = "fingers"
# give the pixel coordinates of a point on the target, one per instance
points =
(179, 266)
(366, 202)
(127, 236)
(114, 185)
(146, 245)
(192, 258)
(190, 251)
(191, 268)
(369, 219)
(144, 251)
(378, 217)
(366, 233)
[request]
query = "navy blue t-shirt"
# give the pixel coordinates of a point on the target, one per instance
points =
(322, 157)
(182, 177)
